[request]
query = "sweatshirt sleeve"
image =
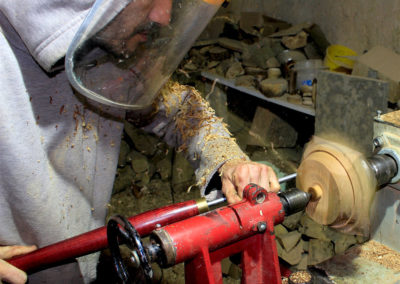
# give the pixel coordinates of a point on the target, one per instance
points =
(187, 122)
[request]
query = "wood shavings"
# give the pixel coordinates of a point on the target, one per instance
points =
(392, 117)
(190, 188)
(88, 126)
(171, 95)
(300, 277)
(195, 114)
(195, 118)
(212, 88)
(381, 254)
(184, 73)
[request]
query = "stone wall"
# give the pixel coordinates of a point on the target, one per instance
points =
(358, 24)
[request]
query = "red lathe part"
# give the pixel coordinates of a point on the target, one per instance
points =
(246, 227)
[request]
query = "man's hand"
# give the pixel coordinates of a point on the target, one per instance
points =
(236, 174)
(8, 272)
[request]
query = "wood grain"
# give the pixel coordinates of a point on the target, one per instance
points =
(341, 184)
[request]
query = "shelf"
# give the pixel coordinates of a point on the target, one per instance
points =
(282, 101)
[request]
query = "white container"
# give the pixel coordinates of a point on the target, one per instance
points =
(307, 71)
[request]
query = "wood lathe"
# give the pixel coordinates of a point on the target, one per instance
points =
(342, 183)
(348, 189)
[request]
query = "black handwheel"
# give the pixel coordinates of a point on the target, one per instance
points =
(121, 231)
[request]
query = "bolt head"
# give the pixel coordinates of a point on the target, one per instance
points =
(378, 142)
(134, 258)
(261, 226)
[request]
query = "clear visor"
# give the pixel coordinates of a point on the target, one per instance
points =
(126, 50)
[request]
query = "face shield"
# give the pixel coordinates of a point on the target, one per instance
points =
(126, 50)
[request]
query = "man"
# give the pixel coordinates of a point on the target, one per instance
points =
(59, 148)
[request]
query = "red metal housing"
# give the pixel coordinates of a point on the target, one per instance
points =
(246, 227)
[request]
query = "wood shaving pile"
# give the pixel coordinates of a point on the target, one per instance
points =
(392, 117)
(300, 277)
(381, 254)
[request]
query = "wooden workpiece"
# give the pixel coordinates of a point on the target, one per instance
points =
(341, 184)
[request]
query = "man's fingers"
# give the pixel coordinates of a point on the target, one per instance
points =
(264, 178)
(230, 192)
(241, 179)
(11, 274)
(273, 181)
(236, 176)
(7, 252)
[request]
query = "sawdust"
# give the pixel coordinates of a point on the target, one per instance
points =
(173, 88)
(195, 117)
(381, 254)
(300, 277)
(392, 117)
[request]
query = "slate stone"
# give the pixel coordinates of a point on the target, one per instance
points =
(302, 265)
(232, 44)
(292, 222)
(143, 142)
(164, 168)
(294, 256)
(219, 53)
(273, 63)
(124, 178)
(255, 71)
(319, 251)
(273, 87)
(234, 71)
(139, 162)
(295, 42)
(290, 240)
(256, 55)
(245, 81)
(182, 172)
(123, 153)
(280, 231)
